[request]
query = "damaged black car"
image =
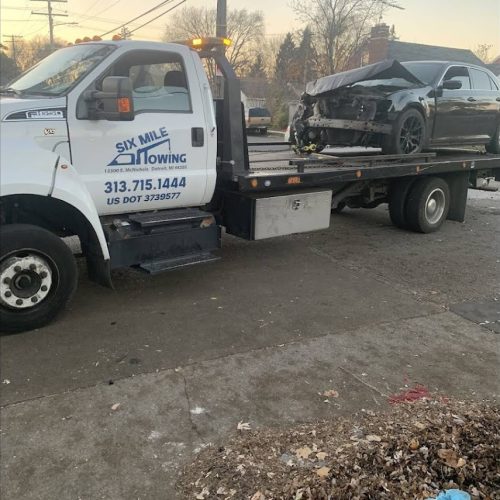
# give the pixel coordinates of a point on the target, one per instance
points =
(402, 108)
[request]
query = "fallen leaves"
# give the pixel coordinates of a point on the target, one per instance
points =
(303, 453)
(451, 458)
(115, 406)
(413, 451)
(323, 472)
(243, 426)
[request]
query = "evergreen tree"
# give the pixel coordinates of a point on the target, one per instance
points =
(257, 69)
(307, 57)
(286, 60)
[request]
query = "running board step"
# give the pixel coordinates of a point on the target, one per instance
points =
(168, 217)
(160, 266)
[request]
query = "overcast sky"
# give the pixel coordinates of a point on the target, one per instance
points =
(452, 23)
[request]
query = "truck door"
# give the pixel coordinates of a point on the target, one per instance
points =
(455, 110)
(158, 160)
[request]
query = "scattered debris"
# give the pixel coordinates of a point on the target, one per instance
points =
(6, 381)
(415, 450)
(243, 426)
(413, 394)
(115, 406)
(198, 410)
(332, 393)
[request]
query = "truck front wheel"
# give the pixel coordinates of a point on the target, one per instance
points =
(38, 276)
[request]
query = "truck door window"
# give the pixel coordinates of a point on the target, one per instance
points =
(159, 81)
(458, 73)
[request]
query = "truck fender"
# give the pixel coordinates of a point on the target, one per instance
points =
(69, 187)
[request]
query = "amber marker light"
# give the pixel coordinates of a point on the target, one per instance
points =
(254, 183)
(124, 105)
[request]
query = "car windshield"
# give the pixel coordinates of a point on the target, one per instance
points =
(60, 71)
(426, 72)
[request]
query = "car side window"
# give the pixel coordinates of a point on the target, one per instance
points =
(494, 85)
(480, 80)
(159, 81)
(458, 73)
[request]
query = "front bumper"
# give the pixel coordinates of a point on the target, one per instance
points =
(363, 126)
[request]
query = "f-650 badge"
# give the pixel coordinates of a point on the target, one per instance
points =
(150, 148)
(45, 114)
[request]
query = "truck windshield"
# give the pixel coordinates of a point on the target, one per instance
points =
(60, 71)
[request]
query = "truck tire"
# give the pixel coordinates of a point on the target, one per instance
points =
(38, 277)
(428, 204)
(494, 145)
(408, 135)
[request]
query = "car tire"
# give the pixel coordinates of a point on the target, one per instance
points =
(38, 276)
(428, 204)
(408, 134)
(494, 145)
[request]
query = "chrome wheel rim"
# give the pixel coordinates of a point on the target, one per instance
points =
(26, 279)
(435, 206)
(411, 135)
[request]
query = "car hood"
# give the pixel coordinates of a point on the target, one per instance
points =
(389, 68)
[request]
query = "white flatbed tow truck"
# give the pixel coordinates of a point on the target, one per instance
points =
(120, 144)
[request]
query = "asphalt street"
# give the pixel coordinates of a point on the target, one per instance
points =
(115, 396)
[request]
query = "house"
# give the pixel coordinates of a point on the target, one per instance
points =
(381, 46)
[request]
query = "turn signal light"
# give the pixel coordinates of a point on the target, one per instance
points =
(124, 105)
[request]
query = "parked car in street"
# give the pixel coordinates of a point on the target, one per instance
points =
(401, 107)
(257, 120)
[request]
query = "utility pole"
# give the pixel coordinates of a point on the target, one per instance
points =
(51, 16)
(221, 32)
(13, 39)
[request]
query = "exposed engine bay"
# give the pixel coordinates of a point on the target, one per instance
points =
(350, 108)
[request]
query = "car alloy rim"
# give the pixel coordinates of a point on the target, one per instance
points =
(435, 206)
(411, 135)
(26, 280)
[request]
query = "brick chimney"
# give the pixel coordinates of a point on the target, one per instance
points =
(379, 43)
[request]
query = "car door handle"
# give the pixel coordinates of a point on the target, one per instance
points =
(498, 99)
(471, 99)
(197, 137)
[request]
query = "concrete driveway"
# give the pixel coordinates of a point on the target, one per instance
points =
(113, 398)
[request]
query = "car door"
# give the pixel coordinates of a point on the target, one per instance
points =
(487, 96)
(158, 160)
(456, 110)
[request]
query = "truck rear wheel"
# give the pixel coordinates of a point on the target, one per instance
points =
(38, 276)
(428, 204)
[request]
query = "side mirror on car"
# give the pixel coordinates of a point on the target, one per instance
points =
(114, 102)
(452, 85)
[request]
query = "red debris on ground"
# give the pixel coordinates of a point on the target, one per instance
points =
(413, 394)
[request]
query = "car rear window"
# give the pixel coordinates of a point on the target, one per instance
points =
(480, 80)
(259, 113)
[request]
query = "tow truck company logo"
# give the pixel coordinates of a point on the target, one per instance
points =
(150, 148)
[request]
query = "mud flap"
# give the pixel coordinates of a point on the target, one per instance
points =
(459, 186)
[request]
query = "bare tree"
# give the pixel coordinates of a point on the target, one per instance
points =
(483, 52)
(29, 52)
(244, 28)
(340, 27)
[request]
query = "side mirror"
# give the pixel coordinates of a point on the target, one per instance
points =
(452, 85)
(114, 102)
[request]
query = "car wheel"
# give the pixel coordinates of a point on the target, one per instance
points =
(494, 145)
(38, 276)
(428, 204)
(408, 134)
(339, 208)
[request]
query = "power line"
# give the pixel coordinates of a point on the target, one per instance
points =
(161, 4)
(155, 18)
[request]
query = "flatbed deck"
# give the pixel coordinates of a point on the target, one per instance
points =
(278, 170)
